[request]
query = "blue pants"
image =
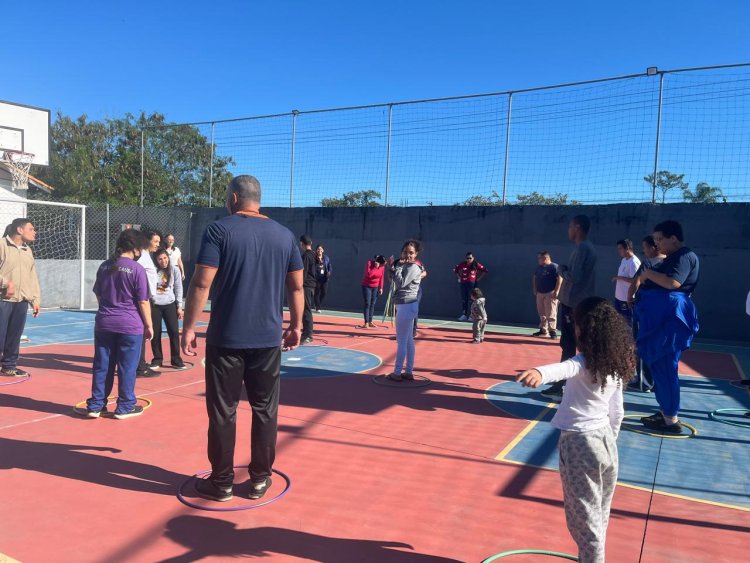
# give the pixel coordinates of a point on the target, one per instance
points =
(12, 321)
(466, 288)
(370, 295)
(405, 315)
(666, 383)
(123, 351)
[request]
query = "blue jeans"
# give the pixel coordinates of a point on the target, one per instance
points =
(466, 288)
(12, 321)
(123, 351)
(370, 295)
(667, 383)
(405, 315)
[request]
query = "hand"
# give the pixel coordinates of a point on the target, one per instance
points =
(148, 332)
(180, 313)
(10, 289)
(555, 294)
(391, 260)
(530, 378)
(36, 308)
(380, 292)
(614, 278)
(291, 339)
(188, 342)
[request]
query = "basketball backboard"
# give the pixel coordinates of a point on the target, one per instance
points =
(25, 129)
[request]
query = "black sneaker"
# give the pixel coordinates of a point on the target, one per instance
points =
(148, 372)
(553, 334)
(540, 333)
(394, 377)
(14, 372)
(208, 490)
(96, 414)
(155, 364)
(137, 411)
(407, 376)
(661, 426)
(177, 363)
(257, 490)
(653, 419)
(307, 340)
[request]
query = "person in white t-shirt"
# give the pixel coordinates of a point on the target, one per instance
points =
(151, 241)
(625, 275)
(589, 417)
(175, 255)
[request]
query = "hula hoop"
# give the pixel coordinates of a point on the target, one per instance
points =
(81, 411)
(712, 416)
(742, 384)
(419, 381)
(172, 369)
(693, 430)
(16, 380)
(201, 474)
(531, 552)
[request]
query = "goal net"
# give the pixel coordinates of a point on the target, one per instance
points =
(59, 248)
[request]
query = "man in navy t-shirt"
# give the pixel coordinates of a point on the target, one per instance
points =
(249, 259)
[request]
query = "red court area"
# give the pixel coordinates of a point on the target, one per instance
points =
(378, 474)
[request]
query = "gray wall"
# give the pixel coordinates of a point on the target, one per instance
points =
(60, 281)
(507, 239)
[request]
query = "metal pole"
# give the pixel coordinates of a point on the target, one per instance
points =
(106, 252)
(83, 258)
(142, 150)
(291, 169)
(211, 171)
(658, 133)
(388, 154)
(507, 147)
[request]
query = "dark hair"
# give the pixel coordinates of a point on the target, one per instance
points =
(10, 230)
(544, 253)
(583, 222)
(129, 240)
(164, 240)
(649, 240)
(470, 254)
(246, 187)
(320, 246)
(412, 242)
(476, 293)
(605, 341)
(379, 258)
(148, 234)
(626, 243)
(670, 229)
(168, 269)
(306, 240)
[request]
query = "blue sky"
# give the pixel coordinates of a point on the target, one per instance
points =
(197, 61)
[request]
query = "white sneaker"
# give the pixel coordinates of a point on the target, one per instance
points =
(463, 318)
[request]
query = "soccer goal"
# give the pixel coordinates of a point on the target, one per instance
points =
(59, 249)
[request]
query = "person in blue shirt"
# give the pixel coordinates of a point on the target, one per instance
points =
(668, 320)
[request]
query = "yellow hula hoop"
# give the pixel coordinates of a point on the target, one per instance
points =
(79, 408)
(693, 430)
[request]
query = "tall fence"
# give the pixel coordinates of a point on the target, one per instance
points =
(660, 137)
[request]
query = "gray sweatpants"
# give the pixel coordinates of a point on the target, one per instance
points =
(588, 469)
(477, 328)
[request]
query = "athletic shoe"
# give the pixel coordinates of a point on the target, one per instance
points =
(553, 334)
(257, 490)
(463, 318)
(207, 489)
(317, 310)
(415, 334)
(307, 340)
(653, 419)
(137, 411)
(370, 325)
(148, 372)
(660, 425)
(476, 341)
(177, 363)
(394, 377)
(407, 376)
(96, 414)
(540, 333)
(156, 364)
(14, 372)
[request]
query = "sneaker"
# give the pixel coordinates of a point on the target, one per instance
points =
(661, 426)
(540, 333)
(415, 334)
(317, 310)
(407, 376)
(653, 419)
(553, 334)
(14, 372)
(156, 364)
(463, 318)
(370, 325)
(207, 489)
(307, 340)
(394, 377)
(96, 414)
(257, 490)
(137, 411)
(476, 341)
(177, 363)
(148, 372)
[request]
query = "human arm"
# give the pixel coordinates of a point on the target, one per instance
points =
(533, 284)
(580, 266)
(551, 373)
(481, 271)
(144, 308)
(7, 289)
(35, 292)
(177, 280)
(181, 267)
(295, 297)
(616, 409)
(200, 286)
(558, 285)
(662, 280)
(404, 274)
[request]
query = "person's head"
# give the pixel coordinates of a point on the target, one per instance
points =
(544, 258)
(151, 241)
(161, 259)
(129, 240)
(169, 241)
(22, 229)
(605, 340)
(243, 193)
(379, 259)
(305, 242)
(470, 258)
(650, 249)
(668, 236)
(320, 251)
(476, 293)
(578, 228)
(410, 249)
(625, 248)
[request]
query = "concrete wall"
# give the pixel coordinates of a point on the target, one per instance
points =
(60, 281)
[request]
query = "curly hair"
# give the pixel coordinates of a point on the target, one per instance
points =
(605, 341)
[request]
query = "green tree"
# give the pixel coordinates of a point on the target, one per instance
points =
(483, 201)
(100, 162)
(363, 198)
(704, 193)
(666, 181)
(536, 198)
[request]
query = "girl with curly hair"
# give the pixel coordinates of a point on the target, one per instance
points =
(589, 418)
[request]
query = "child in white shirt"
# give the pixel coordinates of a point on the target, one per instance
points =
(589, 418)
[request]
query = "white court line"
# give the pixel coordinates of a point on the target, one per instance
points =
(28, 327)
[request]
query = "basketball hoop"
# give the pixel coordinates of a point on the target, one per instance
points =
(19, 164)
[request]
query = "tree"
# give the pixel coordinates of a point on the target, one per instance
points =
(100, 162)
(703, 194)
(535, 198)
(666, 181)
(483, 201)
(363, 198)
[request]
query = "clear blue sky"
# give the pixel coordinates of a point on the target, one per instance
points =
(220, 59)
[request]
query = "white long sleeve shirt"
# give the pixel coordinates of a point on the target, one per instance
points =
(584, 406)
(148, 264)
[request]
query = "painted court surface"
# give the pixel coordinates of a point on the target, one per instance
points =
(455, 471)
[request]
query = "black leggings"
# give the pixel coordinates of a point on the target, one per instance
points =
(321, 288)
(169, 314)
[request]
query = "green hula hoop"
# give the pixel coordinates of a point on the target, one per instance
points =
(531, 552)
(713, 416)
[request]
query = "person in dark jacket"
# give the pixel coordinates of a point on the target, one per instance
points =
(323, 272)
(308, 285)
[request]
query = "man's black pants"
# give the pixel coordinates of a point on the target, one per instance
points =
(226, 370)
(567, 332)
(307, 315)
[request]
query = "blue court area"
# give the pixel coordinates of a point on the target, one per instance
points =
(711, 466)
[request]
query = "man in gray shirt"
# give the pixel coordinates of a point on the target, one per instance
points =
(577, 284)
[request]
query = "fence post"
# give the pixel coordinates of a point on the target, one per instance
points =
(291, 169)
(388, 154)
(83, 258)
(507, 146)
(658, 133)
(142, 148)
(211, 171)
(106, 250)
